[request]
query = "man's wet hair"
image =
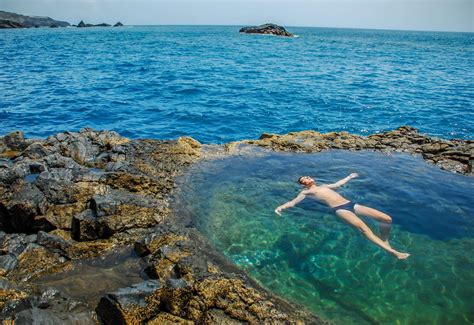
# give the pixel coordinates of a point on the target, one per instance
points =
(299, 179)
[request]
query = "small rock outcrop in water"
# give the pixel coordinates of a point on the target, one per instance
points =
(12, 20)
(82, 25)
(269, 29)
(118, 24)
(80, 194)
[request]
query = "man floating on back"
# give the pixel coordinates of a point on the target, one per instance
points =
(347, 210)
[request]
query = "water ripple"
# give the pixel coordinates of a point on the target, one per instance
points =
(218, 86)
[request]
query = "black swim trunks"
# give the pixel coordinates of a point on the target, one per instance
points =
(349, 206)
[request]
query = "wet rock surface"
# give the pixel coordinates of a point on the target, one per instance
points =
(268, 29)
(76, 195)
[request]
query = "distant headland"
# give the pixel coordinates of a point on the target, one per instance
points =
(13, 20)
(267, 29)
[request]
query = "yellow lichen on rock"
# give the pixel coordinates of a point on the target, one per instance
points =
(169, 319)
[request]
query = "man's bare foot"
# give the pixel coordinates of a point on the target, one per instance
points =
(401, 256)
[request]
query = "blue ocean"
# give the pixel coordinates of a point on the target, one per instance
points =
(217, 85)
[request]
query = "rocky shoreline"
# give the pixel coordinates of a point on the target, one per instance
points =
(77, 195)
(453, 155)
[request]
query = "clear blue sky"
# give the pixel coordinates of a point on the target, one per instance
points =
(440, 15)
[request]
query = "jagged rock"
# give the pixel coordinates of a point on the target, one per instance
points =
(54, 243)
(15, 140)
(7, 263)
(454, 155)
(24, 210)
(36, 260)
(164, 318)
(115, 212)
(15, 244)
(118, 24)
(154, 241)
(48, 307)
(130, 305)
(271, 29)
(36, 168)
(10, 295)
(85, 227)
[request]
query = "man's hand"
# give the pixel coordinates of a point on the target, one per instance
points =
(353, 175)
(278, 211)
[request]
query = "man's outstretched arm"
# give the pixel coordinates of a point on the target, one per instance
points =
(342, 181)
(291, 203)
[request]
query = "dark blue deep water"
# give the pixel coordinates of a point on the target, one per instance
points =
(216, 85)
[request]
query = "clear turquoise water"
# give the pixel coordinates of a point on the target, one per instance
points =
(217, 85)
(310, 257)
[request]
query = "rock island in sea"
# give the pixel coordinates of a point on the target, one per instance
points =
(79, 195)
(266, 29)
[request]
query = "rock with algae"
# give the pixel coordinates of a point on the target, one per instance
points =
(192, 285)
(454, 155)
(46, 185)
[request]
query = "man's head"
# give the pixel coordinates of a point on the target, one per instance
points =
(306, 181)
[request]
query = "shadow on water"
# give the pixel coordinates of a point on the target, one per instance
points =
(311, 257)
(90, 279)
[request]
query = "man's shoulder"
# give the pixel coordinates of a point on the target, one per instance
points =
(309, 191)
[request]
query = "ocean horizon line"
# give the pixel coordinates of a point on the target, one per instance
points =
(301, 26)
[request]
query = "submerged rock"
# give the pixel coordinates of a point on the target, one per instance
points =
(268, 29)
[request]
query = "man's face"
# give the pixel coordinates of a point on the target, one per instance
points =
(306, 180)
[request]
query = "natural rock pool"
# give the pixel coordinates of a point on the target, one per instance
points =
(310, 257)
(90, 279)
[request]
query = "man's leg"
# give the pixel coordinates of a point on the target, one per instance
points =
(385, 221)
(353, 220)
